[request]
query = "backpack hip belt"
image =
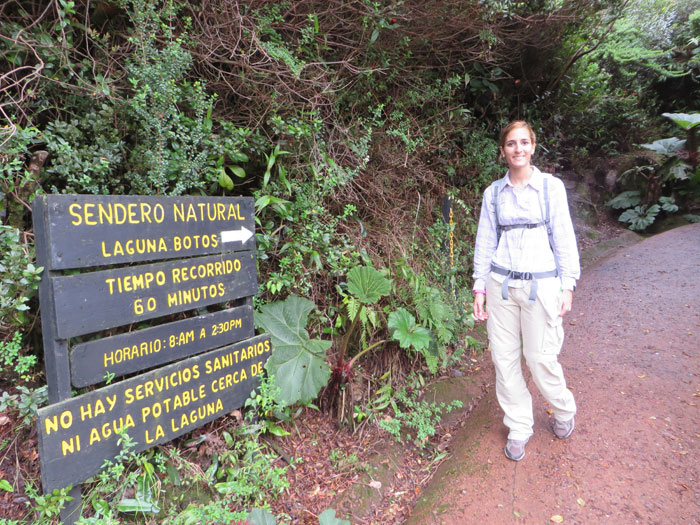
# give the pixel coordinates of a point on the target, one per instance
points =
(525, 276)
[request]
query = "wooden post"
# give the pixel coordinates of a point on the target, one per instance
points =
(56, 362)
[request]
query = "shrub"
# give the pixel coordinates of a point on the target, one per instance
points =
(20, 278)
(87, 154)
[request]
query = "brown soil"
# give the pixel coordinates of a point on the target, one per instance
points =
(19, 462)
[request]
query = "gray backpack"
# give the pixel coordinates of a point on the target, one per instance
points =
(500, 228)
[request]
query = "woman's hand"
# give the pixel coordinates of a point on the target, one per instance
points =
(480, 313)
(567, 297)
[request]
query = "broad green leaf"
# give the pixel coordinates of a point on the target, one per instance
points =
(626, 199)
(226, 487)
(262, 202)
(368, 284)
(327, 517)
(302, 370)
(261, 517)
(238, 171)
(684, 120)
(668, 204)
(144, 502)
(680, 170)
(653, 210)
(404, 329)
(5, 485)
(286, 320)
(238, 156)
(640, 217)
(629, 215)
(298, 362)
(224, 180)
(277, 430)
(666, 147)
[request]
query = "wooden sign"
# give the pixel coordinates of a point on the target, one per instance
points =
(200, 252)
(99, 230)
(124, 354)
(78, 434)
(94, 301)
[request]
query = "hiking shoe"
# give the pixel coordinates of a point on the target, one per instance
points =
(563, 429)
(515, 449)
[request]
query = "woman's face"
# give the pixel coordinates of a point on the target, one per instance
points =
(518, 148)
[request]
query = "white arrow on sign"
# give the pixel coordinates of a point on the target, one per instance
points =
(241, 235)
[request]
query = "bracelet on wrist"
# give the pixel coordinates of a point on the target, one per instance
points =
(479, 291)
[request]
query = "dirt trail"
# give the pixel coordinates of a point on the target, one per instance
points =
(632, 359)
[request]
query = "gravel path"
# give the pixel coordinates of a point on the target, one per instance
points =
(632, 358)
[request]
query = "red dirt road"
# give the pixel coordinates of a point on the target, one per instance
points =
(632, 359)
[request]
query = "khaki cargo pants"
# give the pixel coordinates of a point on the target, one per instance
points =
(516, 329)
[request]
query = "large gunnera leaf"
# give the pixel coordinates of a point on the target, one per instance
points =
(668, 147)
(640, 217)
(297, 361)
(368, 284)
(684, 120)
(626, 199)
(402, 326)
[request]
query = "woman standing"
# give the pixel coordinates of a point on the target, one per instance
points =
(526, 262)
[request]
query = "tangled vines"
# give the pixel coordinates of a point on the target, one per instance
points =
(233, 50)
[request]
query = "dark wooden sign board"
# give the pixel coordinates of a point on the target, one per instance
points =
(124, 354)
(96, 230)
(78, 434)
(137, 293)
(202, 253)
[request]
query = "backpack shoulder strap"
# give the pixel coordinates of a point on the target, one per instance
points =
(496, 189)
(547, 217)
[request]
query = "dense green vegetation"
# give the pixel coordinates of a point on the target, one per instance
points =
(348, 122)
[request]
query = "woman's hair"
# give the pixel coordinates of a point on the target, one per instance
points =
(510, 127)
